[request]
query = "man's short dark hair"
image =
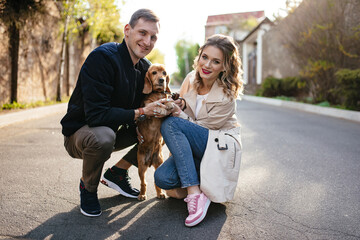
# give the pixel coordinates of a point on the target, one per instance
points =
(146, 14)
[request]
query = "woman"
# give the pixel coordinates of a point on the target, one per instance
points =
(210, 94)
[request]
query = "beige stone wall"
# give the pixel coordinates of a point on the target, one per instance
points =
(39, 60)
(277, 59)
(4, 65)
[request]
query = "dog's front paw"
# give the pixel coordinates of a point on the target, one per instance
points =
(161, 196)
(142, 197)
(169, 106)
(161, 111)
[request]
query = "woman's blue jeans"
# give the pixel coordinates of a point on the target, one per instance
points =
(187, 143)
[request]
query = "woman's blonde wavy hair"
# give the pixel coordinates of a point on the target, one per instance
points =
(230, 79)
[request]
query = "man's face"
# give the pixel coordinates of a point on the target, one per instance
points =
(141, 39)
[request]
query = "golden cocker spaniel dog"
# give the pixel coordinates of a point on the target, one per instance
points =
(149, 153)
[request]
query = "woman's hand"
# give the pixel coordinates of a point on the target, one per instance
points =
(176, 109)
(181, 103)
(179, 100)
(139, 136)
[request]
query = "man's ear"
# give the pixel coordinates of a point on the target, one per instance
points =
(147, 84)
(167, 84)
(127, 29)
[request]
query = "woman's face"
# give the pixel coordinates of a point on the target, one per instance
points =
(210, 63)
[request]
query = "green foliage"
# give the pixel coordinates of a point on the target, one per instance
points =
(244, 24)
(270, 87)
(293, 86)
(284, 98)
(16, 105)
(156, 56)
(315, 68)
(289, 87)
(324, 104)
(176, 79)
(320, 77)
(100, 17)
(250, 23)
(290, 6)
(348, 82)
(186, 52)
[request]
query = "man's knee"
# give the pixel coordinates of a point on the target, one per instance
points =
(92, 142)
(103, 140)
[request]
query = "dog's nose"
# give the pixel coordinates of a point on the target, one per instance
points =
(161, 80)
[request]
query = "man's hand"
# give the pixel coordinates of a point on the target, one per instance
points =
(160, 108)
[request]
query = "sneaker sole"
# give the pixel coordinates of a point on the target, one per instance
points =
(114, 186)
(88, 214)
(197, 221)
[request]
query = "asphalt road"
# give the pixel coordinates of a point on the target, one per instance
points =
(299, 179)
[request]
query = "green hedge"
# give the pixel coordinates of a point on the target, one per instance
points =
(290, 86)
(348, 88)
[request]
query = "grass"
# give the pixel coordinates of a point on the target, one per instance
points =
(17, 106)
(309, 100)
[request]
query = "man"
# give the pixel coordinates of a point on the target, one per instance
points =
(104, 105)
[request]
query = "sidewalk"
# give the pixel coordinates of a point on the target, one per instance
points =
(33, 113)
(327, 111)
(36, 113)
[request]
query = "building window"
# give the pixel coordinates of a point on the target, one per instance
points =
(221, 30)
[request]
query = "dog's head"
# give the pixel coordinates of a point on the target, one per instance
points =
(156, 79)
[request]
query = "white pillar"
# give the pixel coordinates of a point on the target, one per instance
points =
(245, 62)
(261, 32)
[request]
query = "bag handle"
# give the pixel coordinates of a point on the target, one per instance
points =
(221, 141)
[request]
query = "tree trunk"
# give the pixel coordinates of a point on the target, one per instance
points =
(14, 41)
(61, 69)
(62, 61)
(67, 66)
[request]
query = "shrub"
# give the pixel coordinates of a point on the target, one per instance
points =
(320, 78)
(349, 87)
(16, 105)
(293, 86)
(13, 105)
(290, 87)
(270, 87)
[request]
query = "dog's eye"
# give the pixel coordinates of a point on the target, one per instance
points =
(154, 72)
(164, 72)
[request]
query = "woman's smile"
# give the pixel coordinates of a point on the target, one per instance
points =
(205, 71)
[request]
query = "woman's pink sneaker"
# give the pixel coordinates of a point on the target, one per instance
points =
(198, 205)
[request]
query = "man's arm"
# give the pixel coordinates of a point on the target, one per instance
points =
(97, 76)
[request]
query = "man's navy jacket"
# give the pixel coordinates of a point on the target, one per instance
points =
(108, 89)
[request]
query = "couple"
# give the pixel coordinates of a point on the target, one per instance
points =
(105, 104)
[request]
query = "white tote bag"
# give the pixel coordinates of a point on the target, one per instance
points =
(220, 165)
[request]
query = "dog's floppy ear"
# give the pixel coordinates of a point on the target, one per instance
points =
(147, 84)
(167, 84)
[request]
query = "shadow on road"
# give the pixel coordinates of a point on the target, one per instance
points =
(124, 218)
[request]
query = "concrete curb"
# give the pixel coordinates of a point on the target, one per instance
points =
(28, 114)
(331, 112)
